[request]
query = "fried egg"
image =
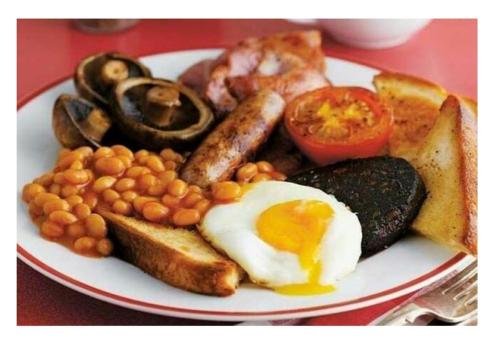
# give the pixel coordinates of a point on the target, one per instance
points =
(295, 239)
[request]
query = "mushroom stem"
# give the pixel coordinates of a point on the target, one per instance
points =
(161, 103)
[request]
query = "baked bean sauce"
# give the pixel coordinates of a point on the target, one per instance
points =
(65, 202)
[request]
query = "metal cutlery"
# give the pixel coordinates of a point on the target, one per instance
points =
(453, 301)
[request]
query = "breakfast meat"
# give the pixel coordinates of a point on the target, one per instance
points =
(177, 256)
(447, 163)
(288, 63)
(234, 140)
(386, 193)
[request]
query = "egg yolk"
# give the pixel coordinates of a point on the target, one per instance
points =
(298, 227)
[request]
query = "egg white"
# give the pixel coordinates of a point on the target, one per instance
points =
(231, 228)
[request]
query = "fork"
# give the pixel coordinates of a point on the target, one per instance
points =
(453, 301)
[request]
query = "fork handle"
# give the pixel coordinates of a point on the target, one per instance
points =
(403, 316)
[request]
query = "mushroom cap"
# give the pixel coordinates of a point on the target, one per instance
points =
(77, 122)
(96, 75)
(190, 118)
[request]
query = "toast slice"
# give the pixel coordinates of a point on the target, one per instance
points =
(447, 162)
(177, 256)
(415, 103)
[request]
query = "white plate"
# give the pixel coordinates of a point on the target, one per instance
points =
(406, 266)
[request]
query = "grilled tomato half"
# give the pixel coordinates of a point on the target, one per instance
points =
(336, 123)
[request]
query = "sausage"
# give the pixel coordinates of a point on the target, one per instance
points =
(234, 140)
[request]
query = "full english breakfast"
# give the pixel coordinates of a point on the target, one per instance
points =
(255, 167)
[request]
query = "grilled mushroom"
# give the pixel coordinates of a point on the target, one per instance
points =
(159, 113)
(77, 122)
(96, 75)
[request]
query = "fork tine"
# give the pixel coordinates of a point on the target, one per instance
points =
(471, 300)
(461, 278)
(470, 288)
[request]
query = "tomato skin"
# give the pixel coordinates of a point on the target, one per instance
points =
(324, 153)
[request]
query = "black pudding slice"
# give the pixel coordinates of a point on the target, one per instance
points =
(386, 194)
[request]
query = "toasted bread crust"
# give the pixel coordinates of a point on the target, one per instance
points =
(179, 267)
(467, 131)
(415, 103)
(448, 164)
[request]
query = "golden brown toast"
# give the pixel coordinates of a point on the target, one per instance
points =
(447, 162)
(415, 103)
(177, 256)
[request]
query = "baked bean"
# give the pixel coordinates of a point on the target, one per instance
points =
(121, 207)
(31, 190)
(259, 177)
(136, 171)
(59, 178)
(109, 166)
(103, 152)
(104, 247)
(103, 183)
(155, 212)
(35, 210)
(96, 226)
(278, 176)
(85, 151)
(147, 180)
(76, 177)
(57, 204)
(168, 154)
(51, 229)
(62, 217)
(76, 230)
(140, 201)
(246, 172)
(55, 189)
(194, 189)
(90, 174)
(39, 220)
(170, 201)
(63, 152)
(186, 217)
(140, 154)
(84, 244)
(191, 199)
(110, 195)
(46, 179)
(82, 211)
(122, 150)
(155, 164)
(68, 159)
(167, 176)
(74, 200)
(68, 190)
(143, 160)
(157, 189)
(202, 206)
(76, 165)
(41, 198)
(124, 184)
(264, 167)
(177, 188)
(226, 191)
(129, 196)
(127, 162)
(170, 165)
(90, 198)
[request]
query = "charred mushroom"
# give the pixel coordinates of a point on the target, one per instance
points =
(78, 122)
(96, 75)
(159, 113)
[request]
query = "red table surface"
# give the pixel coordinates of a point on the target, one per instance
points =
(47, 50)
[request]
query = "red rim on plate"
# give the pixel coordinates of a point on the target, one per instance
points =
(120, 300)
